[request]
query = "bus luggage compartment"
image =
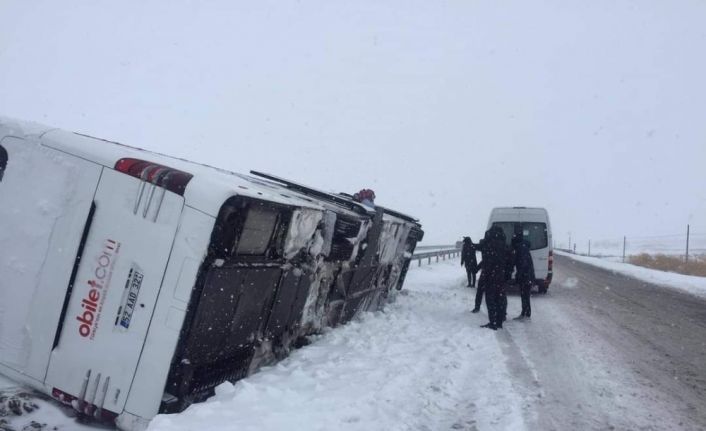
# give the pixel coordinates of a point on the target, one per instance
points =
(226, 327)
(232, 300)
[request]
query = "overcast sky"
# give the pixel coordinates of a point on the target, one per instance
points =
(595, 110)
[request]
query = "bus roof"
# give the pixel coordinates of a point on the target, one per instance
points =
(209, 186)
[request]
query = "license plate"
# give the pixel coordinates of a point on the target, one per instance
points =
(129, 300)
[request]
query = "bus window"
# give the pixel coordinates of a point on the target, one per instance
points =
(344, 232)
(257, 231)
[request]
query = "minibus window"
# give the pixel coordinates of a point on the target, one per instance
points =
(509, 229)
(257, 231)
(535, 234)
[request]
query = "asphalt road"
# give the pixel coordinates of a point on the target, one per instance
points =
(604, 351)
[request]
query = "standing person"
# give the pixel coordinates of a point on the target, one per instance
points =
(482, 279)
(510, 259)
(3, 161)
(468, 259)
(492, 278)
(524, 275)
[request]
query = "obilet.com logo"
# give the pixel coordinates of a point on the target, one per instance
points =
(98, 284)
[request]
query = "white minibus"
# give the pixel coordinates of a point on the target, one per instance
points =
(532, 224)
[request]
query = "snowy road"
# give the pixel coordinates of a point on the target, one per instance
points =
(612, 351)
(602, 351)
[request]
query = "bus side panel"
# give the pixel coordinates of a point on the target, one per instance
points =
(188, 253)
(294, 284)
(115, 291)
(45, 198)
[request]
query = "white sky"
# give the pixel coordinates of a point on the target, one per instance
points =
(593, 109)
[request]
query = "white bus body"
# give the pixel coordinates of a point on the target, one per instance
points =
(132, 283)
(533, 225)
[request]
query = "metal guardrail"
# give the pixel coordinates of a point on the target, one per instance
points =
(444, 253)
(421, 248)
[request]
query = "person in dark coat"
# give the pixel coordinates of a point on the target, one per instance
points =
(492, 279)
(468, 259)
(481, 281)
(3, 161)
(509, 262)
(524, 275)
(481, 289)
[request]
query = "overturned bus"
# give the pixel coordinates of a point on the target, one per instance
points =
(133, 283)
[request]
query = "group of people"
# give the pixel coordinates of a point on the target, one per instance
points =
(498, 262)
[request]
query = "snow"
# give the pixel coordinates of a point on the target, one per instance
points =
(414, 365)
(48, 412)
(391, 240)
(570, 283)
(301, 232)
(663, 244)
(39, 201)
(687, 283)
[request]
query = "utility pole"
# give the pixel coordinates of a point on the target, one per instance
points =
(687, 243)
(589, 247)
(569, 247)
(624, 241)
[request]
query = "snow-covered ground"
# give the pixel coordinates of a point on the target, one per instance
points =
(425, 364)
(673, 245)
(688, 283)
(47, 413)
(413, 366)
